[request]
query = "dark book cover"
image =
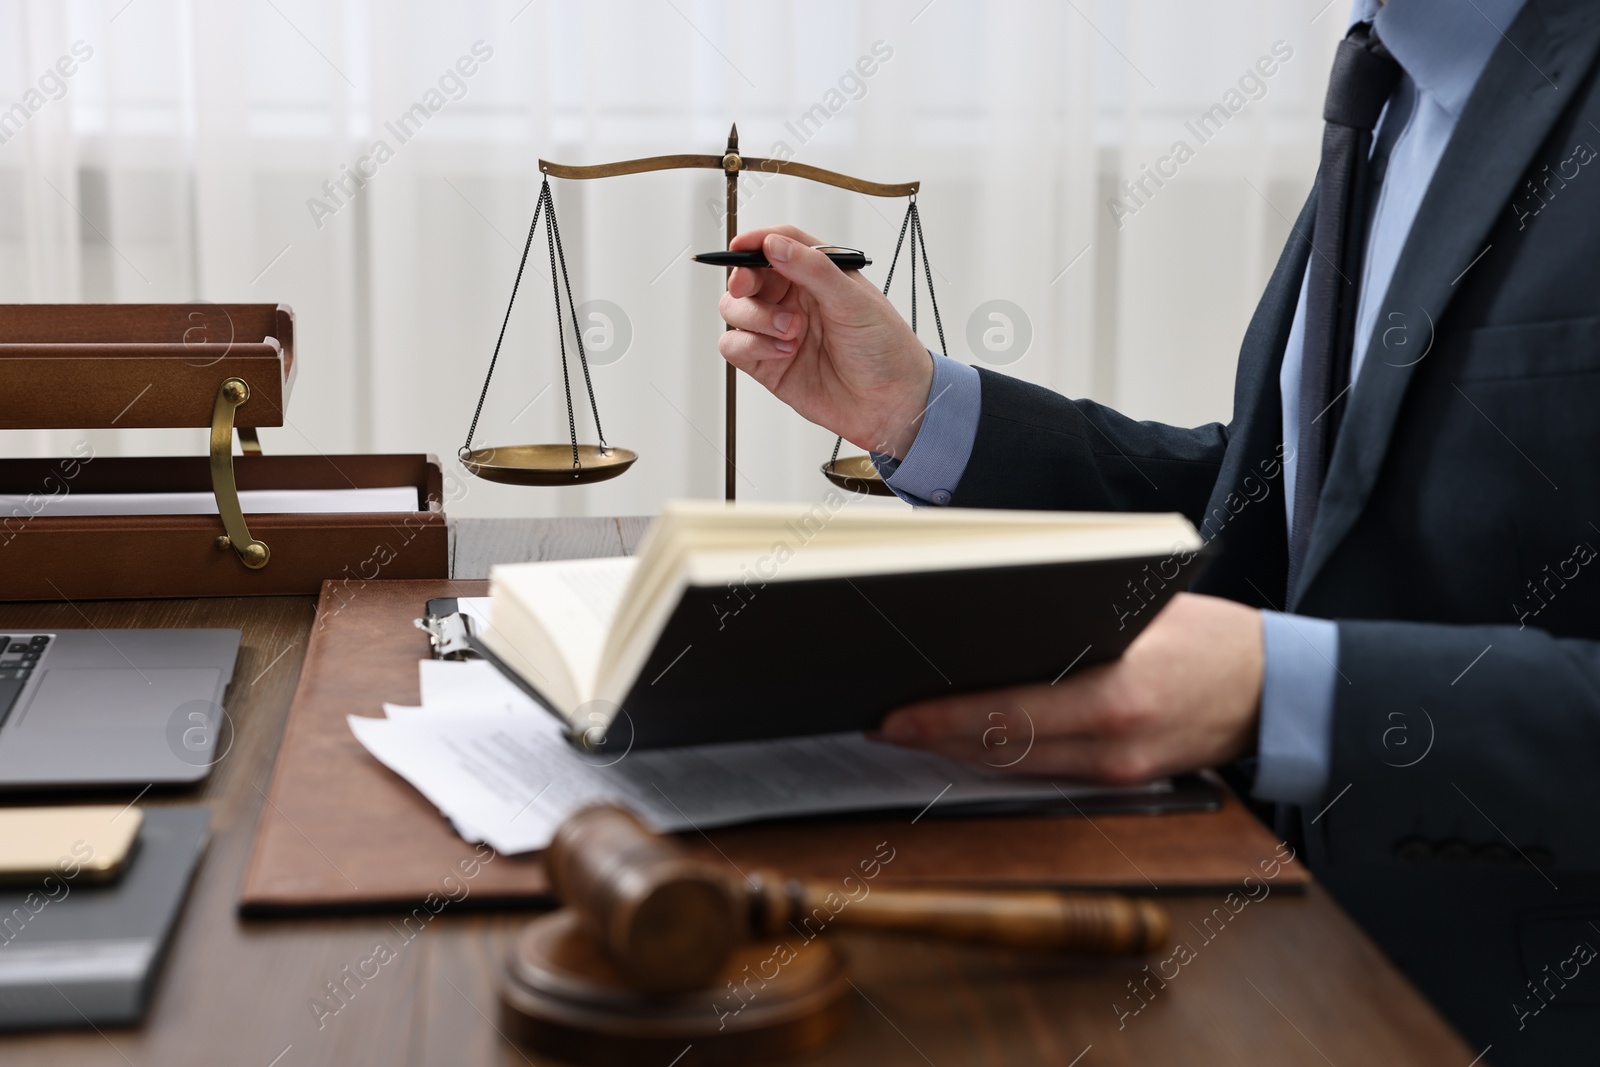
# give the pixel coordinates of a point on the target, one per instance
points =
(750, 660)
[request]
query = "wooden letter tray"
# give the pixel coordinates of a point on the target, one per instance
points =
(225, 367)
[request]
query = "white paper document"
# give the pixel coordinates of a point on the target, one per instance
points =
(251, 501)
(497, 764)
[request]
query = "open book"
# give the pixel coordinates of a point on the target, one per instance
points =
(745, 621)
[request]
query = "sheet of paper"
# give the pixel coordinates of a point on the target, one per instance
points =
(475, 606)
(470, 686)
(471, 683)
(501, 770)
(252, 501)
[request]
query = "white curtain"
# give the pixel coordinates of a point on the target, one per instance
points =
(186, 154)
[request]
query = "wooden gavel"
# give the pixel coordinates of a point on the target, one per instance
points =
(670, 919)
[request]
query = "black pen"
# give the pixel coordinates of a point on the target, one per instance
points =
(843, 258)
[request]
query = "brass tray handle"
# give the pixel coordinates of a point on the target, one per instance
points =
(252, 553)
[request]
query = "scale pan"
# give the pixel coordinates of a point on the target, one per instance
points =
(547, 464)
(857, 474)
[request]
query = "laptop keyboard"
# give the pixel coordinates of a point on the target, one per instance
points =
(18, 657)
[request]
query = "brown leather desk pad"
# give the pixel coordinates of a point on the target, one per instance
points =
(342, 832)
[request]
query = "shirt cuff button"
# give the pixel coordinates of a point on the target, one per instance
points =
(940, 497)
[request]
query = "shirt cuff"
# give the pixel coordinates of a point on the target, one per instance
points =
(930, 471)
(1296, 741)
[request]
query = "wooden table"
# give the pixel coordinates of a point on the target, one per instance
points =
(1289, 980)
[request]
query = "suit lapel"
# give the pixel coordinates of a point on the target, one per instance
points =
(1506, 119)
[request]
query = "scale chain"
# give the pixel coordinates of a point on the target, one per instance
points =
(546, 206)
(561, 330)
(912, 214)
(927, 270)
(577, 334)
(487, 378)
(912, 223)
(895, 259)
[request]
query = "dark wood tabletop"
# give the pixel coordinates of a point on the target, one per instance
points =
(1288, 979)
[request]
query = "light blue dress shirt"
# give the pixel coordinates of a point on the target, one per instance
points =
(1442, 47)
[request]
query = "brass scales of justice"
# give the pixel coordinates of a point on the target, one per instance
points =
(572, 463)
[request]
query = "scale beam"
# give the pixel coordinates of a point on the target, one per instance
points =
(761, 163)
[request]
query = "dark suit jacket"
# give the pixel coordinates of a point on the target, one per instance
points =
(1456, 544)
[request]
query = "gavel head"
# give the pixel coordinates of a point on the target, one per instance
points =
(668, 919)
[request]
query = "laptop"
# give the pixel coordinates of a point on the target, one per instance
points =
(113, 707)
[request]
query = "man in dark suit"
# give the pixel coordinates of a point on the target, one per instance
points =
(1400, 636)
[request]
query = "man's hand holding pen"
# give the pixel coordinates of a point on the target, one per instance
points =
(826, 342)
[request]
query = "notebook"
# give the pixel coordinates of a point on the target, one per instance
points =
(78, 954)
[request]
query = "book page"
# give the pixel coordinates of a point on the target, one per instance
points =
(714, 542)
(573, 601)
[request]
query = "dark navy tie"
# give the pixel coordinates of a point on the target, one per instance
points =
(1364, 74)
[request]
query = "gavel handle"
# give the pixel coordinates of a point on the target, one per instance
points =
(1037, 919)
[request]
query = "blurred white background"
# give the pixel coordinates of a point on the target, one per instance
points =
(186, 157)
